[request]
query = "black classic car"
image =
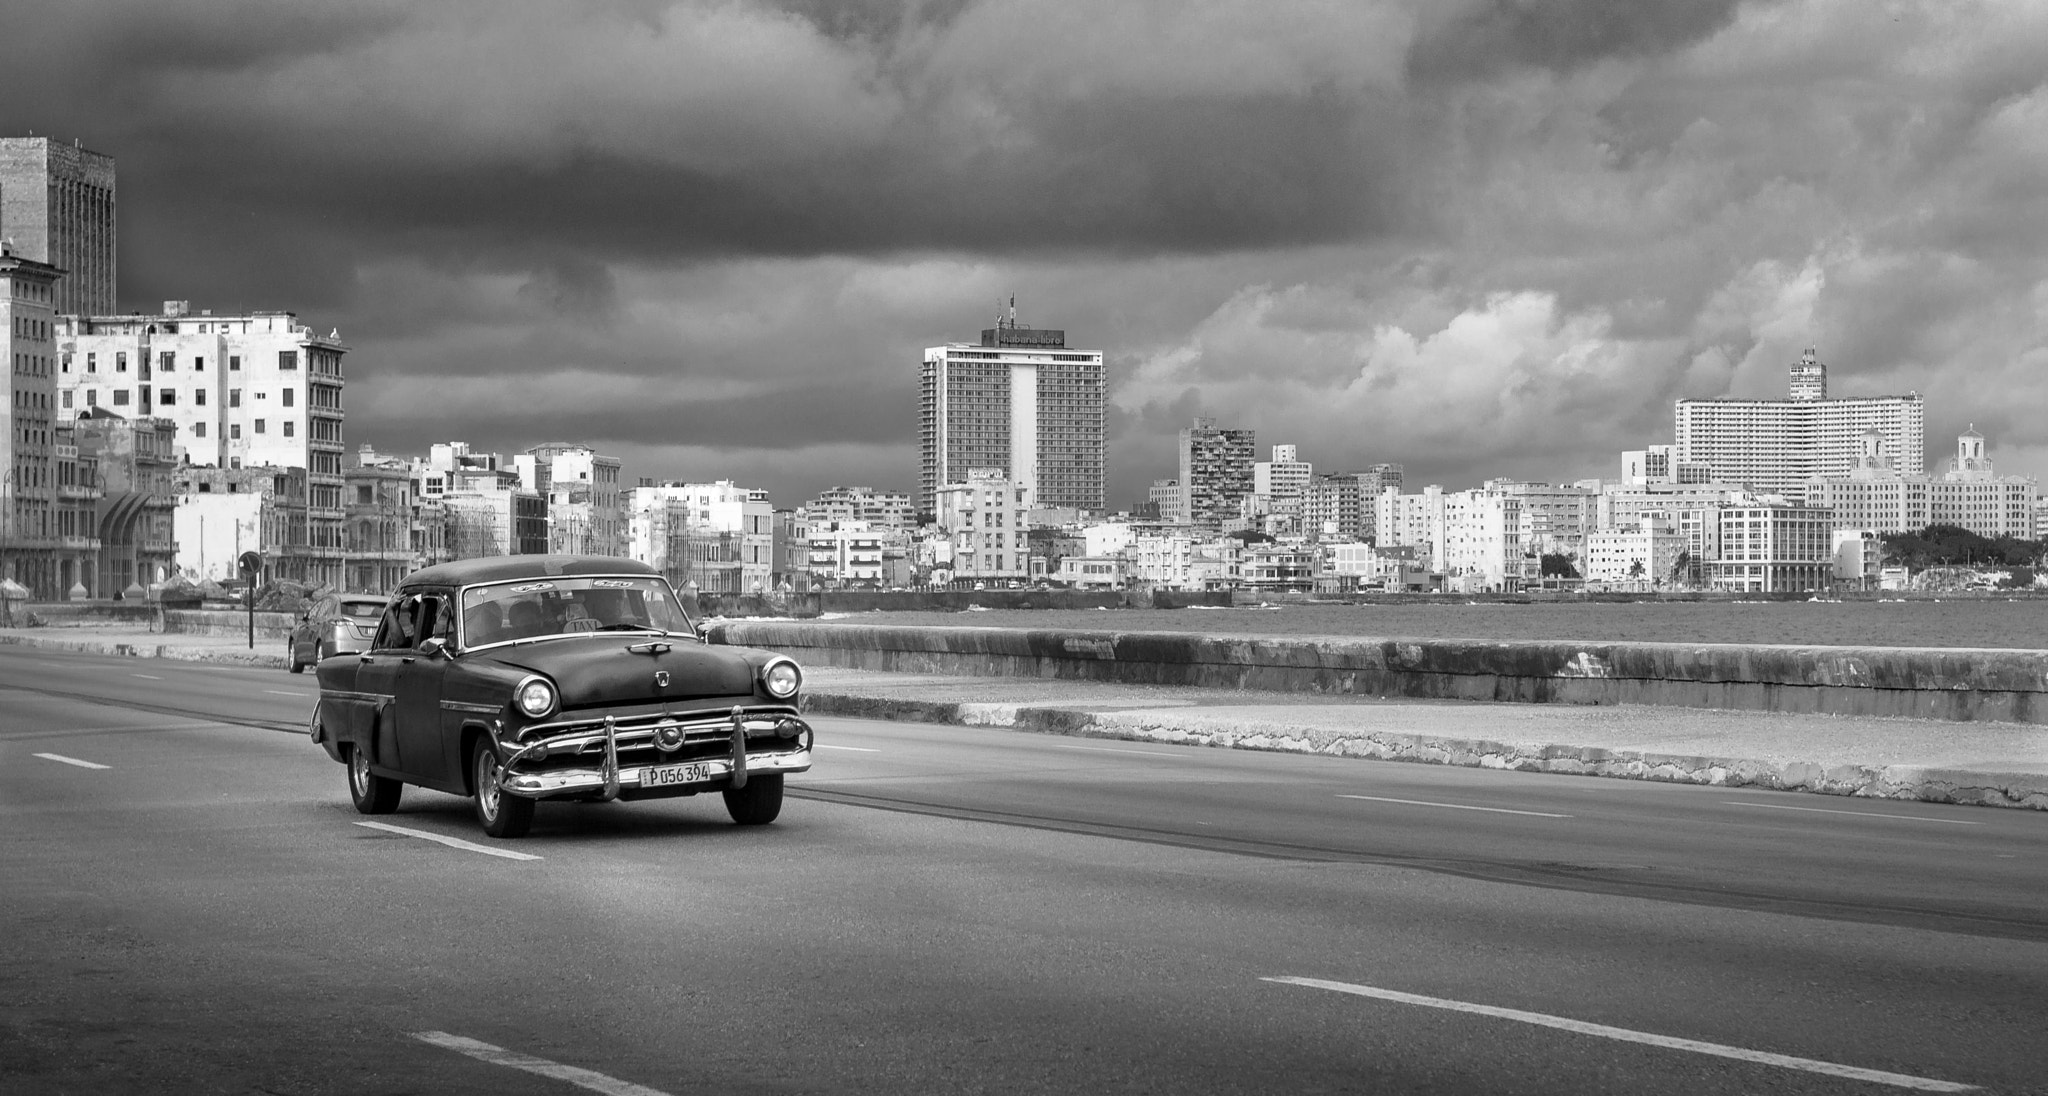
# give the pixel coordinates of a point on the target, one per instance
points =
(521, 678)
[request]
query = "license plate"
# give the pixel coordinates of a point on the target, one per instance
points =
(655, 776)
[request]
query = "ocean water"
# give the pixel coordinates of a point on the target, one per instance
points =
(1965, 622)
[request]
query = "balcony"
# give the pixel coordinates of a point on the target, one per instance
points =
(78, 544)
(78, 491)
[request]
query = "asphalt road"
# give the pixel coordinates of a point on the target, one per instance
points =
(189, 904)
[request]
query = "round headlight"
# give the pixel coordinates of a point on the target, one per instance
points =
(535, 697)
(782, 679)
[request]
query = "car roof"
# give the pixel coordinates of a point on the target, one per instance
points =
(465, 572)
(366, 599)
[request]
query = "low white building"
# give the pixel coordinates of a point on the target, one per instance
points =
(985, 518)
(1093, 572)
(1474, 534)
(1646, 557)
(1178, 561)
(717, 535)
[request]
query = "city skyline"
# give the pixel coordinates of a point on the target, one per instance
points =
(709, 239)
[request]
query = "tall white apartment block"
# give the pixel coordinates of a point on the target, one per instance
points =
(250, 390)
(1777, 446)
(1467, 533)
(1022, 402)
(1282, 479)
(586, 506)
(719, 535)
(986, 519)
(245, 390)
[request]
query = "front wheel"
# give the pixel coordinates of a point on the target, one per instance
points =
(500, 814)
(758, 803)
(372, 794)
(291, 655)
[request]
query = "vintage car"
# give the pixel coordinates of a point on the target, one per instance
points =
(520, 678)
(334, 624)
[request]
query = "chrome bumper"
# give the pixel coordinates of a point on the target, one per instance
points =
(718, 770)
(781, 726)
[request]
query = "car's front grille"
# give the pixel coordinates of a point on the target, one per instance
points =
(704, 734)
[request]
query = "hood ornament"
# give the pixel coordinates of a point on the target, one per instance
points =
(661, 679)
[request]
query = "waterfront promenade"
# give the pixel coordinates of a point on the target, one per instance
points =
(1997, 764)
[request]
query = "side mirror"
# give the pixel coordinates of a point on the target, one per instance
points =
(434, 647)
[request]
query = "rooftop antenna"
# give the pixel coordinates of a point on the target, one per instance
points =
(1013, 311)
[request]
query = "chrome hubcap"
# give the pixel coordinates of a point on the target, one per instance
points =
(358, 770)
(487, 783)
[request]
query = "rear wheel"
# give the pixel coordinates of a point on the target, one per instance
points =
(372, 794)
(500, 814)
(291, 655)
(758, 803)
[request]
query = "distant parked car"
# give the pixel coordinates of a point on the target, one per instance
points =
(521, 678)
(334, 625)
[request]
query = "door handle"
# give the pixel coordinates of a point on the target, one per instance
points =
(407, 660)
(366, 658)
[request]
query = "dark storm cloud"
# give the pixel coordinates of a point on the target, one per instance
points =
(1485, 38)
(1475, 237)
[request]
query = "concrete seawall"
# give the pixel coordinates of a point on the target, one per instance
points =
(1955, 684)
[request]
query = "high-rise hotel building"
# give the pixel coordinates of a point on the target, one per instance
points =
(1021, 402)
(1777, 446)
(57, 205)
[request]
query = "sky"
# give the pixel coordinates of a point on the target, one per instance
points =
(1478, 238)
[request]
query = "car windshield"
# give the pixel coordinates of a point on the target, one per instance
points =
(540, 607)
(362, 610)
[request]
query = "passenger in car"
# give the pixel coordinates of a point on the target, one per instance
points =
(483, 624)
(524, 621)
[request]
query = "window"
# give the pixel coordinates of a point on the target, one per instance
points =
(120, 397)
(199, 361)
(92, 362)
(235, 431)
(92, 397)
(120, 361)
(199, 397)
(287, 396)
(259, 426)
(198, 429)
(234, 397)
(288, 429)
(67, 397)
(287, 359)
(363, 494)
(167, 398)
(167, 362)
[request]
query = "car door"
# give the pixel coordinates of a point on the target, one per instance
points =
(421, 727)
(378, 671)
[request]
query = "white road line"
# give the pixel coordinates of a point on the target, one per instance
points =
(1858, 814)
(285, 692)
(451, 842)
(855, 749)
(73, 761)
(147, 677)
(1857, 1073)
(1111, 749)
(1453, 806)
(499, 1056)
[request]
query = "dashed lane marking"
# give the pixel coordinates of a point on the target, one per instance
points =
(451, 842)
(512, 1059)
(147, 677)
(1454, 806)
(72, 761)
(1811, 1065)
(285, 692)
(855, 749)
(1858, 814)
